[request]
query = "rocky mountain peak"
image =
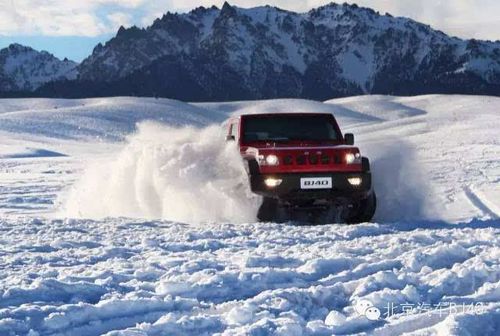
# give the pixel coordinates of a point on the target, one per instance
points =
(24, 69)
(16, 48)
(228, 11)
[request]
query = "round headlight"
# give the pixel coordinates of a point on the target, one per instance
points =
(349, 158)
(272, 160)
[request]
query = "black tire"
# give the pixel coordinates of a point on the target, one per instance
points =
(365, 210)
(268, 210)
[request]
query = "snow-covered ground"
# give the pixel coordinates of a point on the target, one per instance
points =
(111, 228)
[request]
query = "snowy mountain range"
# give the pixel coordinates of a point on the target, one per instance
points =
(266, 52)
(25, 69)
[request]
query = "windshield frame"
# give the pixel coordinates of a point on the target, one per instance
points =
(329, 116)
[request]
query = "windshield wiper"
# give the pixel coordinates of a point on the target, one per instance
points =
(311, 139)
(276, 139)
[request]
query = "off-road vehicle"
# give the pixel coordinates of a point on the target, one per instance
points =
(304, 168)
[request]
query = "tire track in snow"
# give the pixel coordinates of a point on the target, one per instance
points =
(400, 125)
(481, 202)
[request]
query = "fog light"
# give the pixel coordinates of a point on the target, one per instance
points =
(272, 182)
(355, 181)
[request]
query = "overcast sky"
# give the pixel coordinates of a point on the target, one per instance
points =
(70, 28)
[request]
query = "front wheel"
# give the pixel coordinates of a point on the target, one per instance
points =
(268, 211)
(365, 210)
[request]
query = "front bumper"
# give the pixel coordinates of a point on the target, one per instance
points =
(290, 190)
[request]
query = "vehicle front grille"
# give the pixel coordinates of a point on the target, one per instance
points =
(313, 159)
(301, 160)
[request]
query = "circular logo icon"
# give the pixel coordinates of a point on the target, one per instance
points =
(372, 313)
(362, 305)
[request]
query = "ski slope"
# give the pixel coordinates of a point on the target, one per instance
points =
(131, 216)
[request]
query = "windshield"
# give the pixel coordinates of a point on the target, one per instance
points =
(287, 127)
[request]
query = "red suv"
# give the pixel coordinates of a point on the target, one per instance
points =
(304, 168)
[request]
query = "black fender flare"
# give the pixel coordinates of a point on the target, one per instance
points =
(365, 164)
(253, 167)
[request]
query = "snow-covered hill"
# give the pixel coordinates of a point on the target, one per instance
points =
(173, 247)
(25, 69)
(264, 52)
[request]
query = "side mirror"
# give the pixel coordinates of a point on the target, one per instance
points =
(230, 138)
(349, 139)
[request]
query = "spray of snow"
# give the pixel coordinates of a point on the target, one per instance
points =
(186, 175)
(192, 175)
(403, 193)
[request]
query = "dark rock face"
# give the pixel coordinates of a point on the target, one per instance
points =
(265, 52)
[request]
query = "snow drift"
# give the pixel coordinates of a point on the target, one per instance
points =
(181, 174)
(122, 276)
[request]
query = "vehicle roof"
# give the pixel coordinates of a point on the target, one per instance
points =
(281, 114)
